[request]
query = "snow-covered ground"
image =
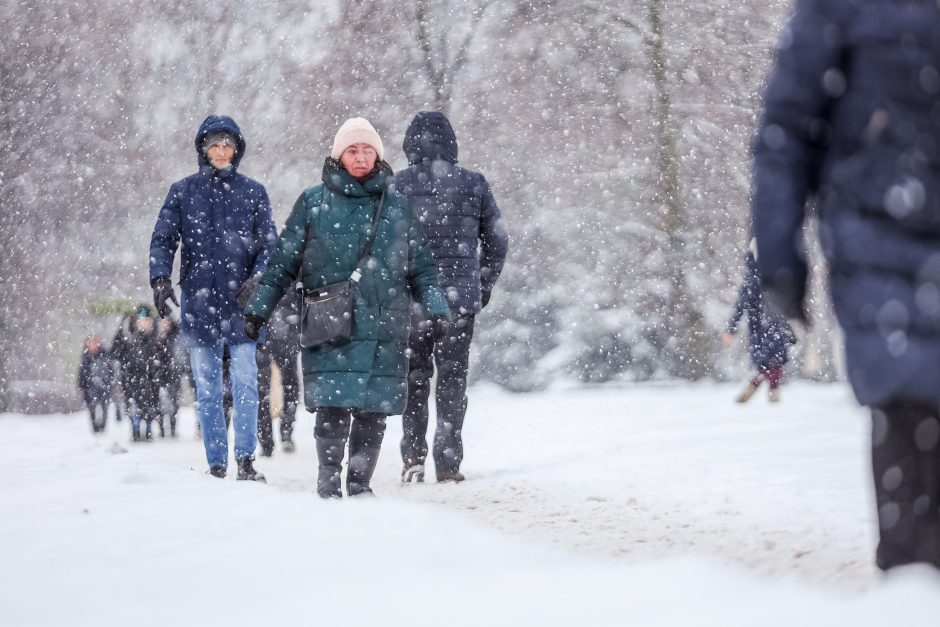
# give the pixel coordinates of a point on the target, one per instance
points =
(648, 505)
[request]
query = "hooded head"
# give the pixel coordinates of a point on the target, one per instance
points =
(430, 137)
(219, 124)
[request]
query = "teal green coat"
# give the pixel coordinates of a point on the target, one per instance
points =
(325, 233)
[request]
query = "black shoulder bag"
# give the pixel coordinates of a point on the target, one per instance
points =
(326, 313)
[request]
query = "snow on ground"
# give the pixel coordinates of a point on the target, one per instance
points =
(646, 505)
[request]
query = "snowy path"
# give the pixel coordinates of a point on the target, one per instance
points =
(648, 472)
(652, 506)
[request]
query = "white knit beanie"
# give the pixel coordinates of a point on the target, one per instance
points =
(356, 131)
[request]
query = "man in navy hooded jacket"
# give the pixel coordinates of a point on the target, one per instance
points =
(852, 119)
(223, 220)
(469, 241)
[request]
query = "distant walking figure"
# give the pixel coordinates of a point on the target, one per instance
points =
(95, 378)
(769, 335)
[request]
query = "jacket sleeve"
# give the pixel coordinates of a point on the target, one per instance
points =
(110, 370)
(739, 307)
(265, 234)
(283, 264)
(494, 241)
(166, 237)
(83, 374)
(806, 79)
(422, 271)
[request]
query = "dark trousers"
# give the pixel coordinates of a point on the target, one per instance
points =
(451, 355)
(146, 409)
(290, 384)
(906, 465)
(365, 431)
(98, 411)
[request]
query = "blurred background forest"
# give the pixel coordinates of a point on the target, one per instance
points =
(615, 136)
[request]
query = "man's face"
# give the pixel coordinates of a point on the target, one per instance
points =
(220, 154)
(359, 159)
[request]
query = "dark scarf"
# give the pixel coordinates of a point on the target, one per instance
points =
(338, 179)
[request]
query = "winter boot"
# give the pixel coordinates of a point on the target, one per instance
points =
(330, 455)
(412, 471)
(774, 395)
(456, 476)
(247, 472)
(746, 393)
(287, 445)
(362, 462)
(217, 471)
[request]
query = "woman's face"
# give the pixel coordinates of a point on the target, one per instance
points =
(359, 159)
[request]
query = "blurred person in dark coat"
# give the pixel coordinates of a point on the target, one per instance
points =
(95, 378)
(769, 335)
(281, 349)
(468, 239)
(852, 120)
(137, 353)
(118, 356)
(169, 373)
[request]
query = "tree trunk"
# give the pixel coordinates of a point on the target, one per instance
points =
(685, 338)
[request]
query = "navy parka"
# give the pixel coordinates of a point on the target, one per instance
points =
(457, 212)
(223, 220)
(852, 119)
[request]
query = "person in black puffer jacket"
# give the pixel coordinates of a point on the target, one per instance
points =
(468, 239)
(141, 374)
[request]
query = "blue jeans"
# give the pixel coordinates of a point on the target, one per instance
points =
(206, 362)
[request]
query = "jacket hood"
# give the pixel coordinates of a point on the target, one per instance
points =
(430, 137)
(216, 124)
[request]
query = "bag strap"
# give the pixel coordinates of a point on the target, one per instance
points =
(356, 275)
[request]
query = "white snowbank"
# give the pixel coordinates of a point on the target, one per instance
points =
(665, 505)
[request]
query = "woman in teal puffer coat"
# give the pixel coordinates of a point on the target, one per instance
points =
(353, 387)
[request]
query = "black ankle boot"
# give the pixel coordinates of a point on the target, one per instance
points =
(330, 455)
(247, 472)
(362, 462)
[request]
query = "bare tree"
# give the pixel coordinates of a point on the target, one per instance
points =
(441, 67)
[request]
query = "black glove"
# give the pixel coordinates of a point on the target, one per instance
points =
(485, 297)
(788, 301)
(253, 326)
(162, 292)
(248, 288)
(440, 326)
